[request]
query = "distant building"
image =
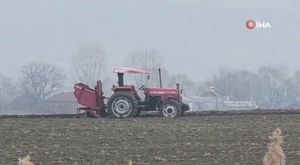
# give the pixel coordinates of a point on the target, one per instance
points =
(213, 101)
(239, 105)
(61, 103)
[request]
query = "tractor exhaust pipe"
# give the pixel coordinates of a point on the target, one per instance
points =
(159, 74)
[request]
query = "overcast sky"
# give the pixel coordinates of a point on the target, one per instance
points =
(194, 37)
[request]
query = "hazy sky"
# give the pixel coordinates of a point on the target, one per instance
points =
(196, 37)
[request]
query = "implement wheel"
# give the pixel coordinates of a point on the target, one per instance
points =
(170, 109)
(122, 105)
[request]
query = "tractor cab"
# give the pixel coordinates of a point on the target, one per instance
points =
(147, 90)
(127, 88)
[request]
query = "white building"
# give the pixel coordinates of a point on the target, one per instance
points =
(212, 101)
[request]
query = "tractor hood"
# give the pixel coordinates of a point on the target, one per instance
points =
(161, 91)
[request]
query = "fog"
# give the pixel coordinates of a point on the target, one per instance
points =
(199, 43)
(193, 37)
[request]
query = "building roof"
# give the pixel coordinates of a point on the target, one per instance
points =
(211, 93)
(63, 97)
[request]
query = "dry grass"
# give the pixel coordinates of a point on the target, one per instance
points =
(25, 161)
(275, 155)
(129, 162)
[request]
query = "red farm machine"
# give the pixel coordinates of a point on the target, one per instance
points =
(125, 102)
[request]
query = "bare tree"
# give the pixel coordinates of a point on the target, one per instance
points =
(8, 91)
(88, 64)
(189, 86)
(270, 87)
(40, 80)
(149, 60)
(240, 84)
(146, 59)
(273, 81)
(293, 90)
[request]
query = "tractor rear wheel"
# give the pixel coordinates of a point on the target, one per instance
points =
(122, 105)
(170, 109)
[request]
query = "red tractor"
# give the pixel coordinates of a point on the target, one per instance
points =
(125, 102)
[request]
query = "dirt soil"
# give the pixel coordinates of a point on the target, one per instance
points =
(201, 139)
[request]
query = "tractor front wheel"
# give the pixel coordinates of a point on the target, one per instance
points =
(122, 105)
(170, 109)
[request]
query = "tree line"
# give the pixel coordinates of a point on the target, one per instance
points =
(269, 86)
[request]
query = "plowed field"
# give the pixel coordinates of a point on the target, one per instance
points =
(199, 139)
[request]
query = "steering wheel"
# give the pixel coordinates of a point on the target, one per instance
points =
(142, 87)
